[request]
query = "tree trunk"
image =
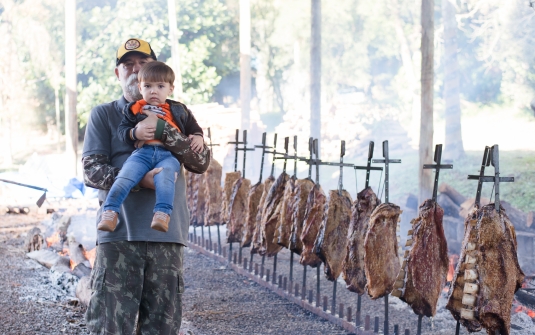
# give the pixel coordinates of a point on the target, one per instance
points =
(245, 63)
(173, 39)
(454, 140)
(426, 120)
(315, 71)
(71, 118)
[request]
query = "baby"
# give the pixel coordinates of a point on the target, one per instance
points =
(155, 84)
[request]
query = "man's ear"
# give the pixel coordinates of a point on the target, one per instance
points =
(117, 72)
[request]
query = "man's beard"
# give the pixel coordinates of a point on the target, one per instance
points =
(132, 87)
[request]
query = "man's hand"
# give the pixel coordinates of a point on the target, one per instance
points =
(146, 128)
(196, 143)
(148, 179)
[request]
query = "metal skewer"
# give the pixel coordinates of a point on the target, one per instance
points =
(236, 144)
(211, 145)
(244, 149)
(494, 159)
(437, 167)
(387, 162)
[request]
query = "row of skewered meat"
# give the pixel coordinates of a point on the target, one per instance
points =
(360, 241)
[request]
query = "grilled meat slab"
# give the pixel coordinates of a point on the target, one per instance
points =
(213, 193)
(313, 217)
(271, 215)
(331, 243)
(257, 234)
(284, 230)
(255, 194)
(353, 268)
(488, 274)
(238, 209)
(423, 273)
(381, 259)
(230, 179)
(302, 190)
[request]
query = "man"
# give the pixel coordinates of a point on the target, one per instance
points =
(138, 270)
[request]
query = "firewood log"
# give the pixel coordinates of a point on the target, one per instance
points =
(35, 240)
(83, 290)
(457, 197)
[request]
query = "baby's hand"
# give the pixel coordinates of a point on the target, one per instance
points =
(196, 143)
(139, 144)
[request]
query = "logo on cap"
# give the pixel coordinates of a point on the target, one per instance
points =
(132, 44)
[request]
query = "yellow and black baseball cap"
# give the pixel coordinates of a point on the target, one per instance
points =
(134, 45)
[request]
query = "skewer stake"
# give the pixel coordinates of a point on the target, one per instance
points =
(387, 162)
(386, 330)
(368, 166)
(318, 286)
(333, 310)
(419, 330)
(437, 167)
(304, 276)
(494, 159)
(219, 239)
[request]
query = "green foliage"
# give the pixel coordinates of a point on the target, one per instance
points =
(205, 28)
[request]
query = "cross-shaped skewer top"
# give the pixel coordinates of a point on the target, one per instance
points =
(236, 143)
(387, 162)
(211, 145)
(318, 162)
(264, 147)
(437, 167)
(491, 156)
(244, 149)
(368, 166)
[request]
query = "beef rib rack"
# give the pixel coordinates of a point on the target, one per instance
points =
(381, 254)
(331, 242)
(425, 267)
(353, 268)
(213, 194)
(257, 234)
(488, 274)
(255, 194)
(238, 204)
(271, 215)
(302, 190)
(284, 230)
(230, 179)
(311, 226)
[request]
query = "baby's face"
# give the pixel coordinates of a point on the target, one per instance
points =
(155, 93)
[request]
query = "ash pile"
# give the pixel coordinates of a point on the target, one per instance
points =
(67, 248)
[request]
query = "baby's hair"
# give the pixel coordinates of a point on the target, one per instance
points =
(156, 72)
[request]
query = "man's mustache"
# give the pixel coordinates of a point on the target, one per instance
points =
(132, 87)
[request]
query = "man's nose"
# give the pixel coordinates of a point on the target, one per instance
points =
(137, 67)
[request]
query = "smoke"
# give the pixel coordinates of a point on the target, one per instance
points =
(132, 88)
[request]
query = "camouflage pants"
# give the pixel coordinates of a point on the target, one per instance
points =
(132, 277)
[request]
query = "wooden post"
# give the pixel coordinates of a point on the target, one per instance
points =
(315, 71)
(245, 63)
(173, 39)
(71, 117)
(426, 120)
(454, 140)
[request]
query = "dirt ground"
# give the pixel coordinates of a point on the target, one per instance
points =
(216, 301)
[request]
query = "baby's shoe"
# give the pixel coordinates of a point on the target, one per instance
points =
(160, 221)
(108, 221)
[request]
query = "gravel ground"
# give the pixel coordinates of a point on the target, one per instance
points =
(399, 312)
(29, 303)
(216, 301)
